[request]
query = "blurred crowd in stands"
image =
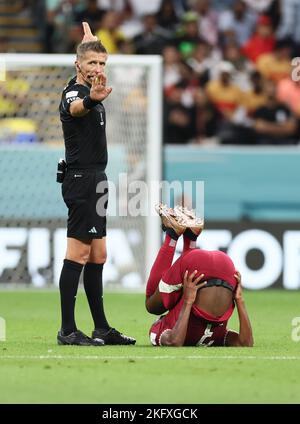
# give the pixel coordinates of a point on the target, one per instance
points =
(227, 75)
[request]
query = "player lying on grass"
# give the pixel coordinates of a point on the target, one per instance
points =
(200, 290)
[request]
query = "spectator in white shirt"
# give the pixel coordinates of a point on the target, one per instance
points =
(238, 23)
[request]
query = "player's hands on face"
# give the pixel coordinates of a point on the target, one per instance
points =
(238, 295)
(99, 91)
(88, 36)
(191, 285)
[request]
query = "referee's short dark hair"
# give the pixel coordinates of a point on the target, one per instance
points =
(95, 46)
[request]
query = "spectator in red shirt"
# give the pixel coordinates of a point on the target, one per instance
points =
(263, 41)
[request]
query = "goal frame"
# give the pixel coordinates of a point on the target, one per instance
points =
(11, 61)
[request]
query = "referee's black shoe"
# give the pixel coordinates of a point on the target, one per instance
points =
(78, 338)
(112, 337)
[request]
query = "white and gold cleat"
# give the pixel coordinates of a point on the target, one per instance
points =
(170, 219)
(189, 219)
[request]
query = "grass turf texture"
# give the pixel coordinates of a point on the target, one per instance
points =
(33, 369)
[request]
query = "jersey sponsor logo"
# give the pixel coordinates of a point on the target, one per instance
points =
(77, 175)
(71, 94)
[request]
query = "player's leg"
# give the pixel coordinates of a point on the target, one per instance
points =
(93, 286)
(93, 270)
(93, 282)
(76, 256)
(189, 240)
(170, 288)
(78, 250)
(161, 264)
(163, 260)
(76, 193)
(194, 227)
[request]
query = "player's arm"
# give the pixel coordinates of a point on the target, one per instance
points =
(98, 93)
(176, 336)
(245, 336)
(154, 304)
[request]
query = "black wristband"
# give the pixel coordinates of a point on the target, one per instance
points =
(88, 103)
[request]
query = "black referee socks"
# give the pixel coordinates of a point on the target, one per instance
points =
(68, 286)
(92, 281)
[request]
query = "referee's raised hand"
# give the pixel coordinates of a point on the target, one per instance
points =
(99, 91)
(88, 36)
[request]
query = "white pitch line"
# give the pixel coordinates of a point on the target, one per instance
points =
(191, 357)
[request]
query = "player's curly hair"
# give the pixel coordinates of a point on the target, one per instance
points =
(95, 46)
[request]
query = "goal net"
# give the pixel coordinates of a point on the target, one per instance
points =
(32, 213)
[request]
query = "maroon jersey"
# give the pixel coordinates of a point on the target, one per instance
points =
(200, 332)
(203, 328)
(213, 264)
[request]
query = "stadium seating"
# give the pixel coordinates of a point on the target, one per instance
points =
(17, 25)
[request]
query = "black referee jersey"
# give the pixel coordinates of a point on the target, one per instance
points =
(85, 137)
(86, 157)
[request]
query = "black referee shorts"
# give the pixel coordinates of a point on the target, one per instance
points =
(87, 208)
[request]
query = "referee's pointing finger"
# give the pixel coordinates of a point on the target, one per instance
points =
(88, 35)
(86, 28)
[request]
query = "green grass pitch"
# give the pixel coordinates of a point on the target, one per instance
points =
(33, 369)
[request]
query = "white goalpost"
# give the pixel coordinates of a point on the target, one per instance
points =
(31, 138)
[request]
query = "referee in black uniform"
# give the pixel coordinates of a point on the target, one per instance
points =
(83, 121)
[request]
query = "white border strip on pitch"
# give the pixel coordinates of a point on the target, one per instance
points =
(191, 357)
(13, 60)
